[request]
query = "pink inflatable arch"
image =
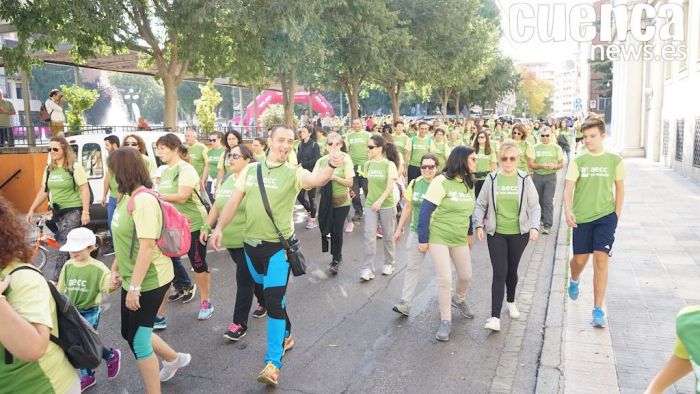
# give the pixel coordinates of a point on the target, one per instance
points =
(269, 97)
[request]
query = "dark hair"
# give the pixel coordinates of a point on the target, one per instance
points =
(457, 165)
(387, 129)
(170, 141)
(319, 129)
(129, 170)
(398, 122)
(430, 156)
(440, 129)
(312, 135)
(388, 148)
(422, 122)
(245, 151)
(225, 140)
(184, 153)
(54, 92)
(274, 128)
(487, 144)
(219, 135)
(591, 123)
(522, 129)
(262, 141)
(112, 139)
(14, 244)
(140, 141)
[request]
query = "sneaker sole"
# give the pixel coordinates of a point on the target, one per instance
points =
(442, 339)
(94, 382)
(259, 316)
(159, 328)
(175, 299)
(397, 310)
(265, 380)
(200, 318)
(230, 338)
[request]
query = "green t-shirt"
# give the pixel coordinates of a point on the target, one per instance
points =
(577, 127)
(357, 146)
(344, 171)
(282, 184)
(688, 339)
(526, 151)
(595, 175)
(549, 153)
(295, 145)
(224, 164)
(198, 156)
(62, 189)
(149, 222)
(415, 193)
(401, 142)
(5, 118)
(419, 147)
(184, 174)
(378, 174)
(84, 282)
(440, 150)
(114, 186)
(455, 202)
(233, 233)
(508, 211)
(322, 144)
(260, 158)
(484, 161)
(215, 154)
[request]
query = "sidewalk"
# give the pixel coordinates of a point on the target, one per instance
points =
(654, 272)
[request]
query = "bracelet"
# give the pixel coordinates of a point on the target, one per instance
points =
(331, 165)
(205, 227)
(135, 288)
(86, 212)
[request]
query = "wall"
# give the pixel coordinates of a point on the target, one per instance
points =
(22, 190)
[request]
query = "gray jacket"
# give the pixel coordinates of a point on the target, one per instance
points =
(528, 204)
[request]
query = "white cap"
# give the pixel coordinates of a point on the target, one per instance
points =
(79, 239)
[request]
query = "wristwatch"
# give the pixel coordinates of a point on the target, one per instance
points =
(331, 165)
(135, 288)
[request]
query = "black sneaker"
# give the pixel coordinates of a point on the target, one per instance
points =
(108, 251)
(189, 294)
(176, 295)
(260, 311)
(333, 267)
(357, 217)
(235, 332)
(546, 230)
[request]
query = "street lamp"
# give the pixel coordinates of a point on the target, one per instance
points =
(130, 99)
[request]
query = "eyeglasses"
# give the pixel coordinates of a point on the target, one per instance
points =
(511, 159)
(212, 139)
(370, 147)
(428, 167)
(235, 156)
(482, 137)
(545, 136)
(55, 149)
(131, 144)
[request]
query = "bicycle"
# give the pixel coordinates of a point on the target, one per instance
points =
(43, 243)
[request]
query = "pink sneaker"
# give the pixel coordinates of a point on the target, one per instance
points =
(349, 227)
(114, 365)
(87, 381)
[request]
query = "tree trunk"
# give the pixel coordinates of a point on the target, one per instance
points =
(288, 82)
(445, 98)
(353, 91)
(469, 112)
(394, 91)
(457, 111)
(170, 89)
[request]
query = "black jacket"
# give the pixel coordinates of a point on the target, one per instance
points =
(308, 153)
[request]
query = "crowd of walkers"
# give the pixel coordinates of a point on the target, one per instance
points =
(491, 180)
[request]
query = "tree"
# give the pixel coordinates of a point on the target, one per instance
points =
(150, 93)
(275, 114)
(534, 95)
(501, 79)
(79, 100)
(206, 106)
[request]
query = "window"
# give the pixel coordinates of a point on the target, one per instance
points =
(680, 131)
(696, 146)
(666, 137)
(92, 160)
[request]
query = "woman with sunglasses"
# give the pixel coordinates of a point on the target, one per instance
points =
(549, 158)
(443, 226)
(231, 140)
(527, 153)
(510, 203)
(66, 185)
(486, 159)
(498, 135)
(215, 154)
(308, 153)
(335, 205)
(381, 171)
(414, 198)
(239, 157)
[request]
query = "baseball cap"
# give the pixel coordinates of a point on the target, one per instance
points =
(78, 239)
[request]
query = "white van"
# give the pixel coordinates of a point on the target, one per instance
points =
(91, 153)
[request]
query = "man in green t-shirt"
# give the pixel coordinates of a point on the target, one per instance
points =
(7, 138)
(401, 141)
(593, 199)
(198, 156)
(419, 145)
(109, 190)
(548, 159)
(357, 149)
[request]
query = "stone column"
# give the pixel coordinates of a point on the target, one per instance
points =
(628, 94)
(654, 127)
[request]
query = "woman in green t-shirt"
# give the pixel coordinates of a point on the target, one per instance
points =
(513, 220)
(443, 226)
(140, 268)
(526, 151)
(216, 154)
(178, 185)
(486, 160)
(381, 171)
(259, 147)
(66, 185)
(321, 140)
(231, 139)
(454, 141)
(440, 144)
(239, 157)
(415, 192)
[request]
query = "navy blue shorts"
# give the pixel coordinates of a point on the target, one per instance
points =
(598, 235)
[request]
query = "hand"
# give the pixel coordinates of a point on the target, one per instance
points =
(116, 281)
(4, 284)
(104, 202)
(422, 248)
(85, 218)
(397, 234)
(479, 234)
(336, 159)
(534, 235)
(570, 219)
(30, 217)
(376, 206)
(203, 236)
(132, 300)
(215, 239)
(619, 215)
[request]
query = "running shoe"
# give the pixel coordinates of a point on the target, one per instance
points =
(349, 227)
(463, 308)
(367, 275)
(513, 311)
(357, 217)
(493, 324)
(176, 295)
(269, 375)
(260, 311)
(546, 229)
(380, 232)
(402, 308)
(311, 223)
(170, 368)
(235, 332)
(87, 381)
(388, 269)
(598, 317)
(189, 294)
(206, 309)
(573, 289)
(443, 332)
(288, 344)
(333, 267)
(114, 364)
(159, 323)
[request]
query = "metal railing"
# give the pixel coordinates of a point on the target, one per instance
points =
(13, 176)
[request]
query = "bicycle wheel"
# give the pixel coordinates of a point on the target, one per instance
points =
(40, 258)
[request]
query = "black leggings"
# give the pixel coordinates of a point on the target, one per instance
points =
(505, 252)
(245, 288)
(310, 204)
(137, 326)
(477, 186)
(339, 215)
(198, 254)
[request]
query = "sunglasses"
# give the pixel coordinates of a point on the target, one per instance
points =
(131, 144)
(235, 156)
(428, 167)
(333, 144)
(517, 133)
(55, 149)
(545, 136)
(511, 159)
(370, 147)
(212, 139)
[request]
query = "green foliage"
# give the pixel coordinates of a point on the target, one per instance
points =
(206, 106)
(501, 79)
(274, 114)
(79, 100)
(149, 89)
(47, 77)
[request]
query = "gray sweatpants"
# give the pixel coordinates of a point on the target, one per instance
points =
(546, 185)
(387, 216)
(414, 260)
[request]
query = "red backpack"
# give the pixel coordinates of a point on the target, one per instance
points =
(175, 237)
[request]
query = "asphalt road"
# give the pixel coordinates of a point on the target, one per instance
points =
(347, 337)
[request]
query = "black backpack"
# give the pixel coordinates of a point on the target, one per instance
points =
(72, 175)
(44, 114)
(76, 337)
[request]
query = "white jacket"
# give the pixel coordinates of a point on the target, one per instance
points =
(55, 110)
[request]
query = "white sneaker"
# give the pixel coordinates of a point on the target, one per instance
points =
(493, 324)
(513, 311)
(349, 227)
(170, 368)
(367, 275)
(311, 223)
(388, 269)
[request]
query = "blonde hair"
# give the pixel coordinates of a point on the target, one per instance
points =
(508, 145)
(69, 158)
